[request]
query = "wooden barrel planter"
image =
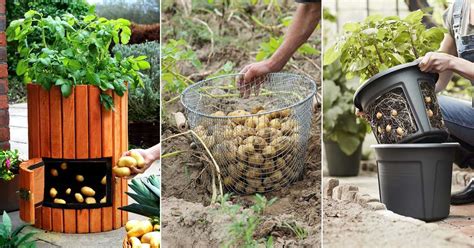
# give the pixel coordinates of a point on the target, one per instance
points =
(89, 139)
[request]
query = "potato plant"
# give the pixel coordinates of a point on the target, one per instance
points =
(255, 149)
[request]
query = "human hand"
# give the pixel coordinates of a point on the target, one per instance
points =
(436, 62)
(147, 155)
(253, 76)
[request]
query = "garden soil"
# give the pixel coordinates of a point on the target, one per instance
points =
(189, 220)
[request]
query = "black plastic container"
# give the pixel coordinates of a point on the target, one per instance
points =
(415, 179)
(410, 83)
(340, 164)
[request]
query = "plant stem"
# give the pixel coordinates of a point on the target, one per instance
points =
(413, 44)
(378, 54)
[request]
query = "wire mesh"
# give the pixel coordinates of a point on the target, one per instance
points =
(258, 133)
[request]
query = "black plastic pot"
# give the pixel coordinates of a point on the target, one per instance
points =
(8, 194)
(409, 81)
(415, 179)
(340, 164)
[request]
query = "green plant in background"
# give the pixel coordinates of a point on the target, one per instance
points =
(245, 223)
(147, 196)
(144, 103)
(9, 164)
(75, 51)
(175, 52)
(379, 43)
(11, 238)
(340, 124)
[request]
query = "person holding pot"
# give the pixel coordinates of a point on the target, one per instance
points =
(456, 54)
(305, 20)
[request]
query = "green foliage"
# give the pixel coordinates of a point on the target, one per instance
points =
(174, 53)
(9, 164)
(11, 238)
(340, 124)
(147, 196)
(16, 9)
(245, 223)
(268, 48)
(144, 103)
(16, 89)
(74, 51)
(379, 43)
(140, 11)
(299, 231)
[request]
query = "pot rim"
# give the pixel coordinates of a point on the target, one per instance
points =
(382, 74)
(416, 146)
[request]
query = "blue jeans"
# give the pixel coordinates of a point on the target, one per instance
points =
(458, 117)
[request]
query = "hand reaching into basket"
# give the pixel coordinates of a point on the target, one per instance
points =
(305, 20)
(150, 155)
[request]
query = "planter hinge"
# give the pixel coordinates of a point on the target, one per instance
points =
(24, 194)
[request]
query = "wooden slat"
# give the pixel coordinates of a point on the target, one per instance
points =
(124, 201)
(58, 219)
(95, 220)
(107, 222)
(55, 110)
(45, 137)
(117, 202)
(117, 152)
(95, 123)
(107, 132)
(39, 217)
(23, 185)
(124, 144)
(83, 221)
(47, 219)
(27, 207)
(70, 221)
(69, 136)
(34, 147)
(82, 130)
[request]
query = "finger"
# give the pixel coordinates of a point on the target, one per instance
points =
(241, 80)
(127, 153)
(135, 170)
(248, 81)
(425, 62)
(258, 85)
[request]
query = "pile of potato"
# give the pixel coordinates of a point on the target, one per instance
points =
(126, 162)
(257, 153)
(86, 194)
(142, 234)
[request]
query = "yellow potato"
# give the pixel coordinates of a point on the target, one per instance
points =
(122, 171)
(127, 161)
(54, 172)
(79, 197)
(63, 166)
(59, 201)
(90, 200)
(146, 238)
(238, 113)
(228, 181)
(53, 192)
(140, 229)
(68, 191)
(251, 122)
(288, 127)
(257, 109)
(131, 224)
(256, 159)
(269, 151)
(253, 173)
(258, 142)
(209, 141)
(269, 133)
(79, 178)
(254, 183)
(104, 180)
(87, 191)
(275, 123)
(218, 114)
(144, 245)
(103, 200)
(135, 242)
(138, 158)
(155, 242)
(156, 227)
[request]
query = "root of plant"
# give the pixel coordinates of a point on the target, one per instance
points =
(432, 108)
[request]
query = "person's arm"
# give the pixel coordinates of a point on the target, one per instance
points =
(305, 20)
(150, 155)
(447, 46)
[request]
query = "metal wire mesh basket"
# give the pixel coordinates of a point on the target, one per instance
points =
(259, 141)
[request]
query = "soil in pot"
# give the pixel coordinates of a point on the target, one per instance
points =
(415, 179)
(340, 164)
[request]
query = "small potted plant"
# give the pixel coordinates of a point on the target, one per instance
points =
(344, 132)
(398, 99)
(9, 180)
(72, 51)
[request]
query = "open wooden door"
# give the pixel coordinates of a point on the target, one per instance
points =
(31, 188)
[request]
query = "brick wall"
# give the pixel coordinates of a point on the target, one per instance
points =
(4, 115)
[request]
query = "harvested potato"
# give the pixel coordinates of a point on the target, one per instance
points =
(228, 181)
(146, 238)
(135, 242)
(394, 112)
(104, 180)
(280, 163)
(155, 242)
(400, 131)
(250, 190)
(269, 151)
(256, 159)
(251, 122)
(252, 173)
(236, 170)
(228, 133)
(275, 123)
(268, 165)
(208, 140)
(127, 161)
(269, 133)
(121, 171)
(243, 131)
(63, 166)
(241, 153)
(288, 127)
(429, 112)
(59, 201)
(80, 178)
(145, 245)
(90, 200)
(140, 229)
(257, 109)
(239, 113)
(200, 131)
(131, 224)
(239, 186)
(103, 200)
(427, 99)
(388, 128)
(379, 115)
(138, 158)
(53, 192)
(218, 114)
(79, 197)
(254, 183)
(258, 142)
(277, 176)
(261, 125)
(281, 144)
(87, 191)
(68, 191)
(54, 172)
